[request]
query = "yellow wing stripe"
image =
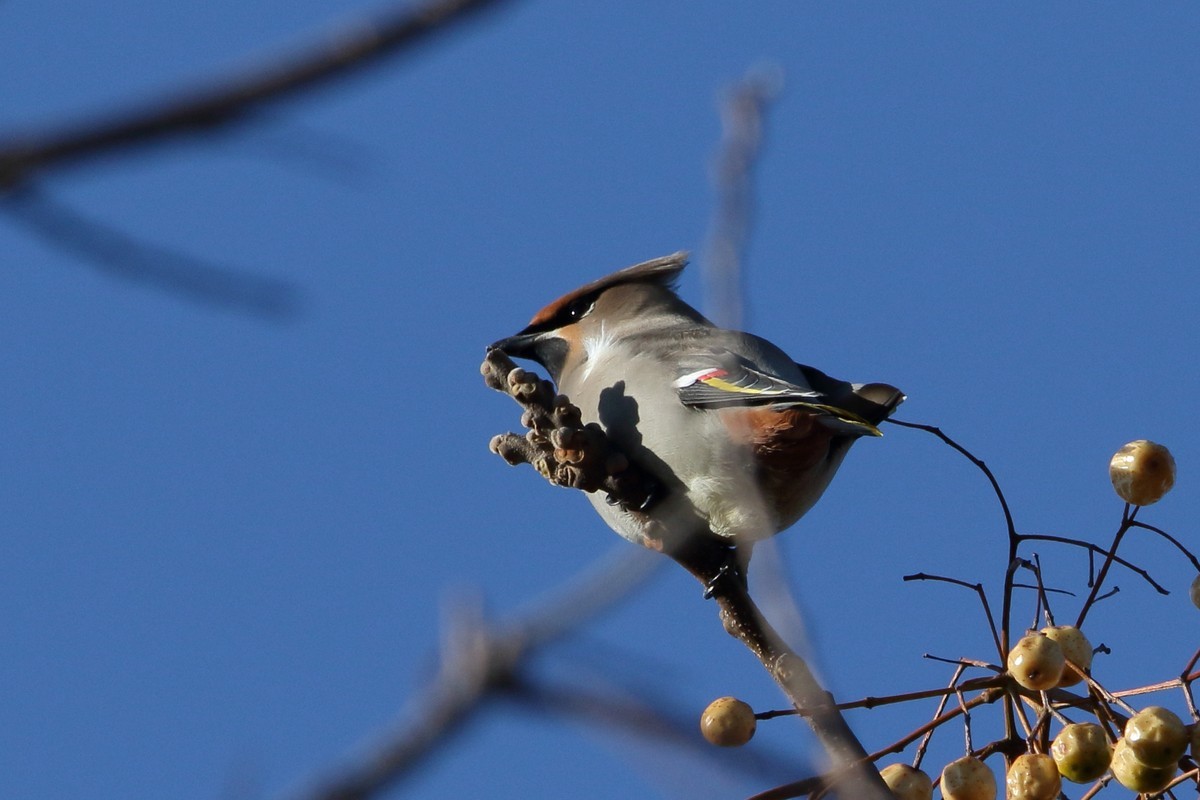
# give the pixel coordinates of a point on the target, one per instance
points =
(726, 386)
(842, 414)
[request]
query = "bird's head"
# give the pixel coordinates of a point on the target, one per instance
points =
(623, 300)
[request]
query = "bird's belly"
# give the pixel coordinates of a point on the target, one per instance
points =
(712, 469)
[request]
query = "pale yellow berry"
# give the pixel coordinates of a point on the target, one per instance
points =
(728, 722)
(1076, 648)
(1082, 752)
(1156, 736)
(907, 783)
(1142, 472)
(1136, 776)
(1036, 662)
(1033, 776)
(1195, 591)
(968, 778)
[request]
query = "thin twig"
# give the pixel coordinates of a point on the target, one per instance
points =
(1126, 523)
(919, 756)
(1048, 590)
(869, 703)
(978, 589)
(1178, 544)
(809, 785)
(988, 696)
(1097, 549)
(1013, 543)
(936, 431)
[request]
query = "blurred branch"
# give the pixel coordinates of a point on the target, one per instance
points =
(477, 662)
(852, 775)
(186, 112)
(643, 719)
(119, 255)
(743, 109)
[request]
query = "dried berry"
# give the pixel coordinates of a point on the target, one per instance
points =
(1033, 776)
(728, 722)
(1136, 776)
(1082, 752)
(1076, 648)
(1156, 736)
(1142, 472)
(907, 783)
(968, 778)
(1036, 662)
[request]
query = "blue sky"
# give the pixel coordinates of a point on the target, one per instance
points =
(227, 539)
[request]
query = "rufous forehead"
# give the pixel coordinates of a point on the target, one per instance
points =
(551, 311)
(661, 270)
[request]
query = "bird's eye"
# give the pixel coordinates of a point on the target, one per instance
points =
(579, 309)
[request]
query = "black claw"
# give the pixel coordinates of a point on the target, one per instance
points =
(730, 570)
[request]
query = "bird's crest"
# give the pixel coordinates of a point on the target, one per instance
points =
(663, 271)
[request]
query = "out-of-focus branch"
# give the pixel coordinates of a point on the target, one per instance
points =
(117, 254)
(743, 108)
(204, 109)
(644, 719)
(478, 661)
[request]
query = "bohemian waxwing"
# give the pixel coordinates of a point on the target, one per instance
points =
(742, 439)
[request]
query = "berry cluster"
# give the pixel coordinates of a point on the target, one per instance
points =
(1046, 671)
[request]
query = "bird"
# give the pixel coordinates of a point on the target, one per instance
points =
(740, 439)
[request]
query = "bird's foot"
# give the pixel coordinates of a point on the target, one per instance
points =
(730, 570)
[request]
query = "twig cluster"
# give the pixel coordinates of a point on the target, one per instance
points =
(1028, 714)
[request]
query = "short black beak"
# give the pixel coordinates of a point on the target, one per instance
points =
(523, 345)
(540, 346)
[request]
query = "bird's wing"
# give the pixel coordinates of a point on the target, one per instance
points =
(719, 378)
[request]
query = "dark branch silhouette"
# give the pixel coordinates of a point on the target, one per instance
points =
(187, 112)
(480, 660)
(120, 255)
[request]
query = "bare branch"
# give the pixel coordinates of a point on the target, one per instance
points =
(119, 255)
(206, 109)
(1178, 544)
(978, 589)
(1013, 543)
(477, 661)
(919, 756)
(1098, 550)
(936, 431)
(743, 110)
(643, 719)
(1110, 556)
